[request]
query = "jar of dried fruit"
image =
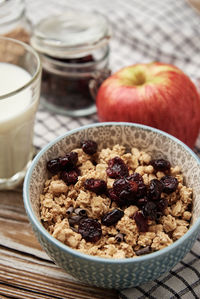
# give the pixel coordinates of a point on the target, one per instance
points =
(74, 49)
(13, 21)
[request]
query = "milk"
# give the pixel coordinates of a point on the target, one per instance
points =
(16, 120)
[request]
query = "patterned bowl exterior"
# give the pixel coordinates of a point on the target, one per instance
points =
(110, 273)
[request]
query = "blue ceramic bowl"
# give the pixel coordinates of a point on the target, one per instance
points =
(112, 273)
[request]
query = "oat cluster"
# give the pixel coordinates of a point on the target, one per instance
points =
(99, 223)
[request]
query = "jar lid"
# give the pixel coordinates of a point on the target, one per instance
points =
(70, 33)
(10, 10)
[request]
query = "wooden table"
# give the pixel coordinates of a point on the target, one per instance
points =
(25, 269)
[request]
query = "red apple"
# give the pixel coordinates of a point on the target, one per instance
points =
(155, 94)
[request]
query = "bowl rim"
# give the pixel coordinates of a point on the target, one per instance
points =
(75, 253)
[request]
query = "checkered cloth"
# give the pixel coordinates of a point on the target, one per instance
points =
(143, 31)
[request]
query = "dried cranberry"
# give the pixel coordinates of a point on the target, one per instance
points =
(112, 217)
(137, 178)
(141, 222)
(124, 184)
(133, 186)
(73, 156)
(85, 59)
(69, 161)
(88, 58)
(142, 201)
(54, 165)
(70, 177)
(95, 185)
(89, 147)
(170, 184)
(126, 190)
(90, 229)
(127, 195)
(162, 204)
(116, 168)
(160, 164)
(150, 210)
(119, 185)
(114, 197)
(155, 189)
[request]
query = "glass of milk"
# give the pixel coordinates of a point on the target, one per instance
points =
(20, 77)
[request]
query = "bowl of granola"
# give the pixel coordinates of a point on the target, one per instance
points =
(114, 204)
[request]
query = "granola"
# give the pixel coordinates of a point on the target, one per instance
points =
(113, 203)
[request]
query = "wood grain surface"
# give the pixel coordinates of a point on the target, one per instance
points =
(25, 269)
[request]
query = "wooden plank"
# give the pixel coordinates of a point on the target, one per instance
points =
(35, 275)
(17, 260)
(19, 236)
(4, 297)
(12, 292)
(25, 269)
(15, 229)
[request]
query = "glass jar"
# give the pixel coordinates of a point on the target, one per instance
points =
(74, 49)
(13, 21)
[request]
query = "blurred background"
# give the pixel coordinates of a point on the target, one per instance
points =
(143, 31)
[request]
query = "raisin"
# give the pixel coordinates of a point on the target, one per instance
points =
(89, 147)
(112, 217)
(54, 165)
(155, 189)
(150, 210)
(90, 229)
(95, 185)
(70, 177)
(170, 184)
(117, 168)
(69, 161)
(141, 222)
(160, 164)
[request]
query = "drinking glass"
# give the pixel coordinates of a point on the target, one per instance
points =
(20, 77)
